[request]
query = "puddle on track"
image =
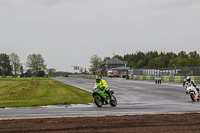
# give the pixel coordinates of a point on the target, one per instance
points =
(69, 106)
(55, 106)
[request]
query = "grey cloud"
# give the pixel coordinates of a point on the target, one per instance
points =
(55, 2)
(69, 32)
(48, 2)
(166, 4)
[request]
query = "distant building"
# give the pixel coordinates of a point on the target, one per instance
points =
(111, 64)
(115, 64)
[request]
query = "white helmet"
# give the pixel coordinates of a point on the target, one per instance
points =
(188, 79)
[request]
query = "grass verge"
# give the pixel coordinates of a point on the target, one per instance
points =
(39, 91)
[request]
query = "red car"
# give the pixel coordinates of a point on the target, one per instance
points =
(115, 74)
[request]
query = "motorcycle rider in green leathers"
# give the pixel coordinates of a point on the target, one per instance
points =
(102, 84)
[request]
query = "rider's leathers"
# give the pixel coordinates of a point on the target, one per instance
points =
(101, 84)
(191, 82)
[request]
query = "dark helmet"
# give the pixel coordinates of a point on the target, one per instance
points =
(98, 79)
(188, 79)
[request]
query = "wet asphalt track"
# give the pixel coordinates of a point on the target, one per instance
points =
(134, 97)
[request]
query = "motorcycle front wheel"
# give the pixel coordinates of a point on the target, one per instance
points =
(192, 97)
(113, 101)
(98, 101)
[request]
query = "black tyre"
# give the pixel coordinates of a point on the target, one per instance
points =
(192, 97)
(98, 101)
(113, 101)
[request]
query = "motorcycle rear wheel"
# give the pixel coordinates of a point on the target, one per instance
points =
(98, 101)
(113, 101)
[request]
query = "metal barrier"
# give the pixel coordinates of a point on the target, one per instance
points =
(164, 78)
(180, 71)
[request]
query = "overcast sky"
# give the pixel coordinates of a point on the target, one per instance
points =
(69, 32)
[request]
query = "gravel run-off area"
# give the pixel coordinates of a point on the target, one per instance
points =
(188, 123)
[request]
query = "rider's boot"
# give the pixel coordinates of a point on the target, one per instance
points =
(106, 102)
(198, 99)
(109, 94)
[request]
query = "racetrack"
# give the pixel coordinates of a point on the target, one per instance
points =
(134, 97)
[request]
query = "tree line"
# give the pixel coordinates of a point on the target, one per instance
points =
(10, 65)
(154, 59)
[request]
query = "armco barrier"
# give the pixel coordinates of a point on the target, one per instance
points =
(171, 78)
(197, 79)
(182, 78)
(177, 78)
(165, 78)
(139, 77)
(148, 77)
(152, 77)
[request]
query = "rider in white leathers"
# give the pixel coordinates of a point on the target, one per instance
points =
(189, 81)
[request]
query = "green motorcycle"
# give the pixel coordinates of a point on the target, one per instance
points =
(101, 97)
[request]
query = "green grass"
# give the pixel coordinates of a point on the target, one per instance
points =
(39, 91)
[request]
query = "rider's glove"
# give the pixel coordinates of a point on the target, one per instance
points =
(102, 88)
